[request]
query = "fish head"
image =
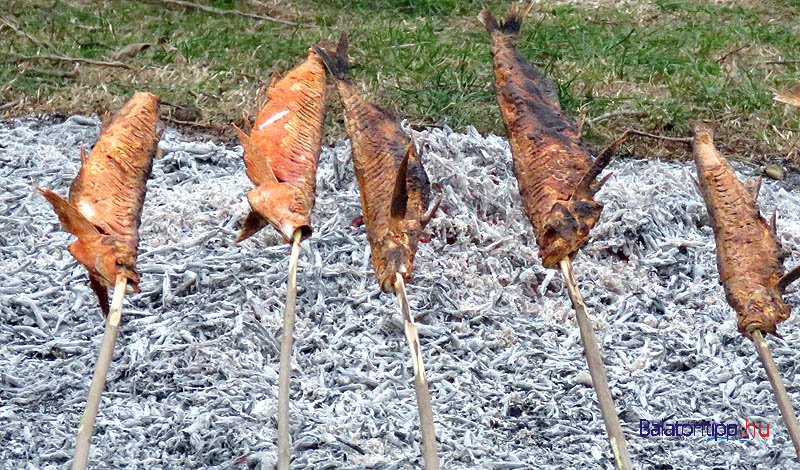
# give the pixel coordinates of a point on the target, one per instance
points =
(281, 204)
(106, 259)
(394, 254)
(566, 228)
(757, 307)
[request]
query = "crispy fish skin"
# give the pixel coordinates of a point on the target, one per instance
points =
(106, 198)
(749, 255)
(552, 165)
(283, 149)
(395, 189)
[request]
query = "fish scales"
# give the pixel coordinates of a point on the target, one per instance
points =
(379, 148)
(749, 255)
(106, 198)
(551, 162)
(282, 161)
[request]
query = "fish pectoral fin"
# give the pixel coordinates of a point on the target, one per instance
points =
(73, 221)
(400, 191)
(788, 278)
(588, 186)
(252, 224)
(258, 169)
(753, 187)
(773, 223)
(432, 211)
(101, 291)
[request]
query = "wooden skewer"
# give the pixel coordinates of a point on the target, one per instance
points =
(429, 453)
(784, 403)
(597, 371)
(99, 379)
(284, 451)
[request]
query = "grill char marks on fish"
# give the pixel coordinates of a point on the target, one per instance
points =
(106, 198)
(555, 172)
(282, 151)
(749, 254)
(394, 186)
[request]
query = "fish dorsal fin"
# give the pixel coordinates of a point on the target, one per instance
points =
(400, 191)
(73, 221)
(246, 121)
(105, 122)
(788, 278)
(258, 169)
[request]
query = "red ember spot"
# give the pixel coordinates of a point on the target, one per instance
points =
(241, 459)
(424, 239)
(357, 221)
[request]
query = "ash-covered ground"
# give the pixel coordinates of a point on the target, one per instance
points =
(194, 379)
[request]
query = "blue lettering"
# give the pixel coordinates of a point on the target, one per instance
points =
(645, 425)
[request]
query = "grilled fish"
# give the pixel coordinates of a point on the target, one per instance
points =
(105, 199)
(749, 254)
(282, 151)
(555, 172)
(394, 186)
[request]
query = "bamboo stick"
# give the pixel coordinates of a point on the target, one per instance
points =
(99, 379)
(426, 425)
(597, 371)
(784, 403)
(284, 451)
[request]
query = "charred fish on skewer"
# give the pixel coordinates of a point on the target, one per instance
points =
(394, 194)
(395, 190)
(749, 253)
(282, 151)
(556, 174)
(106, 198)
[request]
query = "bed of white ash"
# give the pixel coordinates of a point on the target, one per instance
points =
(194, 378)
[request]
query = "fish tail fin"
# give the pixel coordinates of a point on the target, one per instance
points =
(339, 66)
(512, 23)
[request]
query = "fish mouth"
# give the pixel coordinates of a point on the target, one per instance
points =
(395, 261)
(106, 260)
(762, 315)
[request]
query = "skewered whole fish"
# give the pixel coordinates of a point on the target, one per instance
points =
(555, 171)
(749, 254)
(394, 186)
(282, 151)
(105, 199)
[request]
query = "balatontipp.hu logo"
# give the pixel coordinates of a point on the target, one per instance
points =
(703, 429)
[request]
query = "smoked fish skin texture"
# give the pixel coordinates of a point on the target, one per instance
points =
(550, 160)
(379, 147)
(749, 255)
(286, 143)
(106, 198)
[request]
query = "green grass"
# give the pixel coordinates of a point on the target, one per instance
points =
(428, 60)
